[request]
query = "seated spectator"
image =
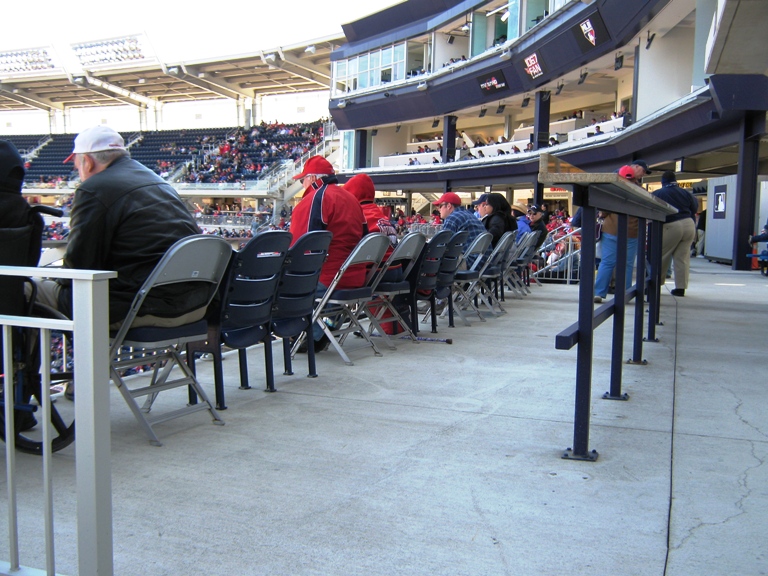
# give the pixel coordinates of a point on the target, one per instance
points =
(455, 219)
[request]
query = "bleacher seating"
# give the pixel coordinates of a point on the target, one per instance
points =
(229, 154)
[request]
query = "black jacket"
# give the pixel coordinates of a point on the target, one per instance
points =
(497, 225)
(124, 219)
(684, 201)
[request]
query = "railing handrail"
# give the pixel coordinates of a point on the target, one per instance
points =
(90, 299)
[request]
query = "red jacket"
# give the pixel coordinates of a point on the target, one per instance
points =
(332, 208)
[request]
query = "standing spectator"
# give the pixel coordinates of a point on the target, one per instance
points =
(609, 242)
(701, 233)
(679, 230)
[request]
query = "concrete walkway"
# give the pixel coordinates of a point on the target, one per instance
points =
(441, 459)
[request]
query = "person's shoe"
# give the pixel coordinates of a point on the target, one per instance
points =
(69, 393)
(440, 305)
(322, 344)
(302, 347)
(598, 299)
(422, 306)
(678, 292)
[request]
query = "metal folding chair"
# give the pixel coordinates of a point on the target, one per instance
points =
(465, 280)
(406, 255)
(344, 304)
(190, 260)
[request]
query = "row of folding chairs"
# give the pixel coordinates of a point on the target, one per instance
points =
(268, 290)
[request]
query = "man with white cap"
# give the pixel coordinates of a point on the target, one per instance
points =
(124, 218)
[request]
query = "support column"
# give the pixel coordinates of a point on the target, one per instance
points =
(752, 128)
(541, 133)
(361, 148)
(449, 139)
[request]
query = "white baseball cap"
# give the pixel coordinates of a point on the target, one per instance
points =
(96, 139)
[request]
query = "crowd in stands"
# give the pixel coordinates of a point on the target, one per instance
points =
(247, 153)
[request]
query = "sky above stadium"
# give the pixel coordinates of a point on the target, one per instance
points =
(181, 30)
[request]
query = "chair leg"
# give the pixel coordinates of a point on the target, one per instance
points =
(269, 372)
(242, 357)
(433, 302)
(287, 366)
(311, 351)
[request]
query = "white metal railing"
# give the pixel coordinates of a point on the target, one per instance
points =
(92, 442)
(566, 266)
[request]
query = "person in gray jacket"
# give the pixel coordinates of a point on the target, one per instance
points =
(124, 218)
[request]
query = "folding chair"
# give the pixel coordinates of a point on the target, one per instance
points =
(406, 254)
(296, 293)
(243, 314)
(465, 280)
(522, 270)
(490, 273)
(449, 265)
(344, 304)
(192, 259)
(509, 277)
(424, 277)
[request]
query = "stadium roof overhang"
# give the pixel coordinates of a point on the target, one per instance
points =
(303, 67)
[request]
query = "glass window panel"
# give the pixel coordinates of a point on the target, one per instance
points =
(386, 56)
(362, 63)
(399, 52)
(399, 70)
(352, 67)
(375, 60)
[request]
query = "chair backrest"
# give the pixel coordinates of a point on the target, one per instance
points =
(14, 244)
(200, 258)
(370, 252)
(425, 275)
(452, 258)
(500, 252)
(297, 288)
(475, 251)
(405, 254)
(249, 287)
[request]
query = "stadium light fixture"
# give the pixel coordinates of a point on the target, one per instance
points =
(33, 60)
(649, 41)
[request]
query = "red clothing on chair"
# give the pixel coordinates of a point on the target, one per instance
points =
(330, 207)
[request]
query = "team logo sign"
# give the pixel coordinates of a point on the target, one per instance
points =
(588, 31)
(533, 66)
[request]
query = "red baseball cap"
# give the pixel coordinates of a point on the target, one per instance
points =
(315, 165)
(450, 197)
(627, 172)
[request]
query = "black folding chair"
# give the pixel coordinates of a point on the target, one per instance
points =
(242, 316)
(296, 293)
(423, 277)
